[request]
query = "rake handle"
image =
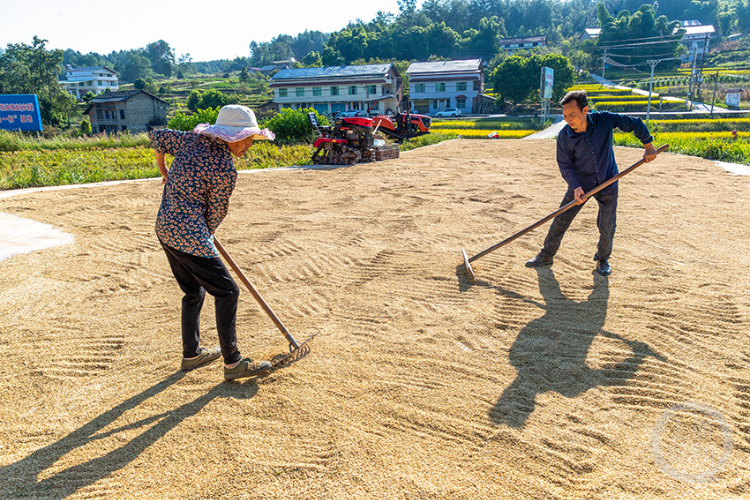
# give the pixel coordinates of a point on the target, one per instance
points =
(565, 208)
(255, 293)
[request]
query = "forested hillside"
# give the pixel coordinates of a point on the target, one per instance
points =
(472, 28)
(435, 28)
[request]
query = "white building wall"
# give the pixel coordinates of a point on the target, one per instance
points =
(323, 98)
(444, 93)
(98, 81)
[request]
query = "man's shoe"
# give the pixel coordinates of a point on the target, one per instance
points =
(539, 261)
(603, 268)
(246, 368)
(205, 357)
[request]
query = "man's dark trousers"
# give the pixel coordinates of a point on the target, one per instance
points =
(196, 276)
(605, 221)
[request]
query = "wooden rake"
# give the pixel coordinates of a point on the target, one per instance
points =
(296, 349)
(468, 260)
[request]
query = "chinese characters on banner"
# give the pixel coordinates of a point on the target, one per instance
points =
(20, 112)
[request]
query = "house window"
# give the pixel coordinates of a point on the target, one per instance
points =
(460, 103)
(334, 91)
(122, 114)
(476, 85)
(434, 104)
(317, 92)
(352, 90)
(460, 86)
(418, 87)
(440, 87)
(300, 92)
(372, 89)
(100, 114)
(283, 92)
(101, 84)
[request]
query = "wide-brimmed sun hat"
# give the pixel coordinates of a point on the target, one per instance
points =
(233, 124)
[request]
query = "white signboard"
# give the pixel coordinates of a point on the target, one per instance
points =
(547, 79)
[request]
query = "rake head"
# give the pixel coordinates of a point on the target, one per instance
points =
(295, 354)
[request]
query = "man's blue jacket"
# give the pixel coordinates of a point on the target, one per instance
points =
(586, 159)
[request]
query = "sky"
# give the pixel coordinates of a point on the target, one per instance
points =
(207, 30)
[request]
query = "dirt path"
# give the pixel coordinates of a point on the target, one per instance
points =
(525, 384)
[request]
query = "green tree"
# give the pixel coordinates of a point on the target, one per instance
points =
(261, 83)
(564, 76)
(32, 69)
(212, 98)
(85, 127)
(161, 57)
(292, 125)
(624, 37)
(193, 99)
(514, 79)
(67, 106)
(518, 78)
(137, 66)
(312, 60)
(139, 83)
(244, 75)
(182, 121)
(151, 87)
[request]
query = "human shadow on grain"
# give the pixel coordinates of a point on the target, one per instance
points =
(550, 352)
(22, 478)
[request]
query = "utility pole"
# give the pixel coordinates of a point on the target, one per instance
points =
(716, 81)
(652, 63)
(604, 64)
(703, 63)
(692, 78)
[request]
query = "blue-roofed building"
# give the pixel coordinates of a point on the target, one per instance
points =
(338, 88)
(438, 85)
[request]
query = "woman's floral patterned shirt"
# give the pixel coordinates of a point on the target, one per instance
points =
(196, 195)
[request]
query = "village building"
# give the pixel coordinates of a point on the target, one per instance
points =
(338, 88)
(435, 86)
(130, 111)
(78, 81)
(531, 42)
(697, 39)
(275, 66)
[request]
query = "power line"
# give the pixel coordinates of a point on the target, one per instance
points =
(651, 38)
(644, 56)
(624, 45)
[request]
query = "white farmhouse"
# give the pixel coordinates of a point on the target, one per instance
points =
(78, 81)
(338, 88)
(434, 86)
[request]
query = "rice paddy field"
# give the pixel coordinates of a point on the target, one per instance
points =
(482, 128)
(30, 162)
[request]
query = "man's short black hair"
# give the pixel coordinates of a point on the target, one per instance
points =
(579, 96)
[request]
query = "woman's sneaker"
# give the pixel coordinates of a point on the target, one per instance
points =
(205, 357)
(246, 368)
